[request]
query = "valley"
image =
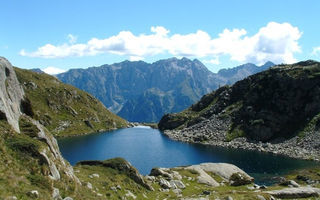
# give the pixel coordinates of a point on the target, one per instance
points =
(35, 107)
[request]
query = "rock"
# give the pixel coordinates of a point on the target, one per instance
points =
(178, 183)
(224, 170)
(68, 198)
(206, 192)
(119, 187)
(228, 198)
(301, 192)
(203, 177)
(56, 194)
(88, 123)
(164, 183)
(290, 183)
(99, 195)
(260, 197)
(263, 187)
(33, 194)
(303, 178)
(12, 101)
(150, 178)
(177, 191)
(130, 194)
(176, 175)
(113, 188)
(238, 179)
(160, 172)
(95, 175)
(89, 185)
(11, 198)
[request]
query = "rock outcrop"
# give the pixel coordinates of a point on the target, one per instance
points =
(292, 193)
(278, 107)
(11, 95)
(28, 150)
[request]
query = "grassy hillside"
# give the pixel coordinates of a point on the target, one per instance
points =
(63, 109)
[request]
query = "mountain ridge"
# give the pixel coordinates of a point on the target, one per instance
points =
(123, 86)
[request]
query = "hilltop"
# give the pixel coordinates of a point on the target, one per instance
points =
(274, 111)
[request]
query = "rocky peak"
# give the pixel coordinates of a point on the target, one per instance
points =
(11, 95)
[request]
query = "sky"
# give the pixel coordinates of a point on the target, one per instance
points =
(62, 34)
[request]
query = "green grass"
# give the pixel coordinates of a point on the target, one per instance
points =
(234, 133)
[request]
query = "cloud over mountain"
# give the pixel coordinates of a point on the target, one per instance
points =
(276, 42)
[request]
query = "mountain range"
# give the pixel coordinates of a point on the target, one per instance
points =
(144, 92)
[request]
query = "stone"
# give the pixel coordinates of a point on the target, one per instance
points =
(89, 185)
(56, 194)
(119, 187)
(176, 175)
(150, 178)
(204, 177)
(177, 191)
(11, 95)
(68, 198)
(164, 183)
(178, 183)
(206, 192)
(301, 192)
(263, 187)
(238, 179)
(33, 194)
(289, 183)
(113, 188)
(130, 194)
(260, 197)
(228, 198)
(95, 175)
(160, 172)
(11, 198)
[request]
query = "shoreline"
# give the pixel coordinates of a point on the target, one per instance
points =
(283, 149)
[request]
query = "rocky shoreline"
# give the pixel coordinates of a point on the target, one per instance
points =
(292, 148)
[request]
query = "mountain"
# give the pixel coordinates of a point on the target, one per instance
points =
(143, 92)
(38, 70)
(63, 109)
(232, 75)
(280, 105)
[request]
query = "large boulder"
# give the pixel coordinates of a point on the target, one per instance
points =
(11, 95)
(290, 193)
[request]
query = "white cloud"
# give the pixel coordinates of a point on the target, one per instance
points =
(316, 51)
(214, 61)
(72, 39)
(276, 42)
(53, 70)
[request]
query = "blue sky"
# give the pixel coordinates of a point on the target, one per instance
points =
(79, 34)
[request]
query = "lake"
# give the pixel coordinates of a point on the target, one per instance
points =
(146, 148)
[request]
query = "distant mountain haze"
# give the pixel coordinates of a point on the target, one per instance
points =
(143, 92)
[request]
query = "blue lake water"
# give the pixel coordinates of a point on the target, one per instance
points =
(146, 148)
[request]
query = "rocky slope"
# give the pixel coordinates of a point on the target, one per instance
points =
(30, 159)
(63, 109)
(275, 111)
(143, 92)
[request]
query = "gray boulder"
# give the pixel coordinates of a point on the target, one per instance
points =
(11, 95)
(301, 192)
